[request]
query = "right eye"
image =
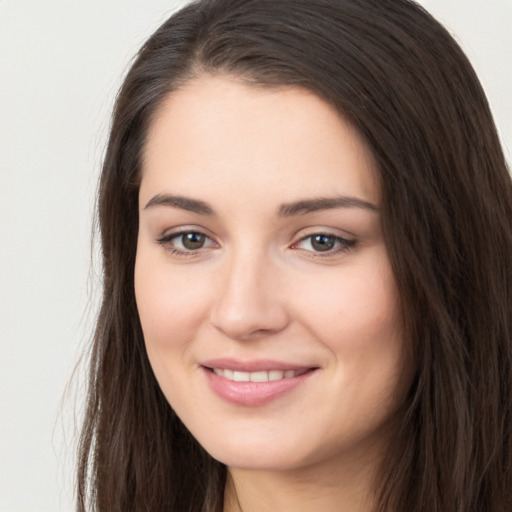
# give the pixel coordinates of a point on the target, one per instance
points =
(186, 242)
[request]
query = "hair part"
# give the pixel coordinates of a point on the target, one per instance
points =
(398, 76)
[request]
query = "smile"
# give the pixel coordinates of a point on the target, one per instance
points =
(260, 376)
(256, 383)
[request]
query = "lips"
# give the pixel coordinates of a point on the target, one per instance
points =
(254, 383)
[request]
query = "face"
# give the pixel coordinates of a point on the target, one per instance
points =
(266, 298)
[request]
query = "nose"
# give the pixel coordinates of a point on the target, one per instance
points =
(249, 302)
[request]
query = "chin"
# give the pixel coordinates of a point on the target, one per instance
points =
(256, 458)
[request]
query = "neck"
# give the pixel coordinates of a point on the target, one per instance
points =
(329, 489)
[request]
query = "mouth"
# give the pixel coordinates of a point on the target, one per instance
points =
(255, 383)
(258, 376)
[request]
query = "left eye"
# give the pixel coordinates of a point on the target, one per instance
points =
(320, 242)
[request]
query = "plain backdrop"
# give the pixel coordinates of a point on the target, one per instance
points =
(61, 63)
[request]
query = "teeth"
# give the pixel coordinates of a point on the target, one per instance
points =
(275, 375)
(259, 376)
(256, 376)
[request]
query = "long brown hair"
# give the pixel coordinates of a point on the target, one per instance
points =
(403, 82)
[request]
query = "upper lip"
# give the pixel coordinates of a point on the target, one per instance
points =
(257, 365)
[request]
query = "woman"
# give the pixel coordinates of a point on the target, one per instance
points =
(305, 218)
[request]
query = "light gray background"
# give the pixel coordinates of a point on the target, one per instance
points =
(61, 63)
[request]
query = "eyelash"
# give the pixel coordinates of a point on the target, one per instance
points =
(165, 241)
(342, 245)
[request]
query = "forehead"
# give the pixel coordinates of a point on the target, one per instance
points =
(220, 132)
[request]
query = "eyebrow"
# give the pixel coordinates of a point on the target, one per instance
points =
(323, 203)
(300, 207)
(183, 203)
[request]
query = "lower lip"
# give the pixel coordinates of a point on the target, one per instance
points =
(252, 394)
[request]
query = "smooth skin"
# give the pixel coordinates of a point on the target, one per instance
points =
(260, 239)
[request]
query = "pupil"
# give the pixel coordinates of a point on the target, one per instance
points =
(322, 242)
(193, 240)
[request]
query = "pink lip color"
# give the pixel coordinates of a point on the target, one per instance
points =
(251, 394)
(259, 365)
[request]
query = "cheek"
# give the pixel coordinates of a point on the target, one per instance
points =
(170, 304)
(359, 322)
(170, 314)
(358, 310)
